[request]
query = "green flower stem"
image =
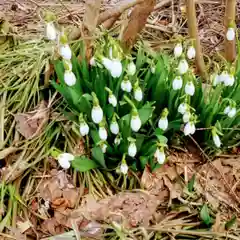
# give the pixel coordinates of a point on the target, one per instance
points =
(127, 99)
(95, 99)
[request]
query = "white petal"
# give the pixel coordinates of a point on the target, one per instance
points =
(69, 78)
(138, 94)
(227, 110)
(160, 156)
(51, 31)
(217, 141)
(84, 129)
(182, 67)
(65, 51)
(66, 156)
(193, 128)
(230, 34)
(92, 61)
(114, 128)
(163, 123)
(124, 168)
(223, 77)
(64, 164)
(131, 69)
(132, 149)
(153, 70)
(107, 63)
(186, 117)
(191, 53)
(182, 108)
(97, 114)
(229, 80)
(102, 133)
(135, 123)
(116, 68)
(216, 80)
(112, 100)
(188, 129)
(178, 50)
(232, 112)
(126, 86)
(190, 88)
(177, 83)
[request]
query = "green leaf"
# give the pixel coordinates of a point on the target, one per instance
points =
(83, 164)
(146, 112)
(191, 183)
(95, 136)
(161, 138)
(143, 161)
(98, 156)
(229, 224)
(204, 215)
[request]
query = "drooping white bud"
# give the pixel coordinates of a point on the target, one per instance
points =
(163, 123)
(84, 129)
(116, 68)
(131, 69)
(186, 117)
(103, 147)
(126, 86)
(132, 149)
(124, 168)
(160, 156)
(97, 114)
(182, 108)
(65, 51)
(135, 123)
(112, 100)
(64, 160)
(138, 94)
(227, 110)
(177, 83)
(178, 50)
(182, 67)
(69, 78)
(232, 112)
(229, 80)
(230, 34)
(107, 63)
(216, 140)
(191, 52)
(189, 128)
(190, 88)
(51, 32)
(114, 128)
(117, 140)
(102, 133)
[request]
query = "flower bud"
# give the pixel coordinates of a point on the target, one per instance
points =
(102, 133)
(182, 67)
(114, 128)
(182, 108)
(138, 94)
(163, 123)
(216, 140)
(51, 32)
(191, 53)
(135, 122)
(97, 114)
(177, 83)
(160, 155)
(230, 34)
(64, 160)
(126, 85)
(107, 63)
(124, 167)
(189, 128)
(178, 50)
(69, 78)
(116, 68)
(84, 129)
(112, 100)
(186, 117)
(117, 140)
(65, 51)
(131, 69)
(132, 149)
(190, 88)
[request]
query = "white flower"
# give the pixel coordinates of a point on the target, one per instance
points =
(189, 128)
(65, 51)
(191, 52)
(160, 156)
(92, 61)
(116, 68)
(102, 133)
(84, 129)
(182, 67)
(64, 160)
(178, 50)
(227, 110)
(216, 140)
(223, 76)
(69, 78)
(177, 83)
(124, 168)
(190, 88)
(216, 80)
(230, 34)
(232, 112)
(107, 63)
(97, 114)
(186, 117)
(112, 100)
(103, 147)
(138, 94)
(114, 128)
(132, 149)
(182, 108)
(229, 80)
(51, 31)
(131, 68)
(163, 123)
(126, 86)
(117, 140)
(153, 69)
(135, 123)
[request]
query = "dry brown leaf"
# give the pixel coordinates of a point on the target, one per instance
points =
(31, 124)
(23, 226)
(71, 195)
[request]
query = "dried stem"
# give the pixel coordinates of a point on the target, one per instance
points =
(193, 33)
(230, 46)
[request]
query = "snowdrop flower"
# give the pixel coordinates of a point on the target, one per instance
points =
(178, 50)
(230, 34)
(132, 149)
(186, 117)
(227, 110)
(163, 123)
(229, 80)
(189, 128)
(51, 32)
(126, 85)
(232, 112)
(112, 100)
(117, 140)
(153, 69)
(92, 61)
(107, 63)
(182, 108)
(138, 94)
(65, 51)
(160, 155)
(102, 132)
(103, 147)
(177, 83)
(124, 167)
(114, 128)
(69, 78)
(131, 69)
(116, 68)
(97, 114)
(64, 160)
(216, 139)
(190, 88)
(182, 67)
(84, 128)
(191, 52)
(135, 121)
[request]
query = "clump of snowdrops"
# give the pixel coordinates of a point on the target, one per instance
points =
(127, 107)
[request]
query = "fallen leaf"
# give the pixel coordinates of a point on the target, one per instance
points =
(71, 195)
(23, 226)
